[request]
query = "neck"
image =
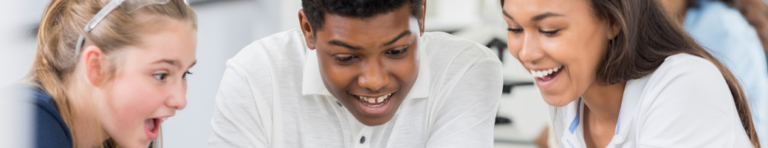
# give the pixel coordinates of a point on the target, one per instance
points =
(85, 125)
(604, 102)
(678, 9)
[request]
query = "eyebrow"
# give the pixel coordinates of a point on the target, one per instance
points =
(507, 14)
(193, 64)
(342, 44)
(402, 34)
(170, 62)
(545, 15)
(175, 63)
(535, 18)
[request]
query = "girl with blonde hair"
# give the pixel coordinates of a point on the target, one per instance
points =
(107, 73)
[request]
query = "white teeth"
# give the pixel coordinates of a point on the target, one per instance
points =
(379, 99)
(164, 118)
(543, 73)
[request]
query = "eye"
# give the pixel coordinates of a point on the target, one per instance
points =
(160, 76)
(397, 52)
(515, 30)
(345, 58)
(185, 75)
(549, 33)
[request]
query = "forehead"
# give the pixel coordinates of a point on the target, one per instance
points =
(525, 9)
(171, 42)
(373, 28)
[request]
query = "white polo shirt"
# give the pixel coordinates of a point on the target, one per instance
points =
(684, 103)
(272, 95)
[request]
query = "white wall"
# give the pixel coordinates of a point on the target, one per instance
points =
(224, 29)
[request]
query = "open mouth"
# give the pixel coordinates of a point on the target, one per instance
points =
(374, 105)
(547, 75)
(152, 127)
(374, 101)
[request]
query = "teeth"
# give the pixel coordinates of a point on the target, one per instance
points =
(379, 99)
(543, 73)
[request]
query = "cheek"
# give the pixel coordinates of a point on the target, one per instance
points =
(405, 69)
(132, 101)
(514, 44)
(582, 54)
(338, 76)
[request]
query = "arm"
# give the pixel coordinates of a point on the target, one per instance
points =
(236, 120)
(466, 117)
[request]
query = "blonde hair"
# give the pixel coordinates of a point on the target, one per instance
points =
(62, 23)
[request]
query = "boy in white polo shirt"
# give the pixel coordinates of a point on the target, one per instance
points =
(359, 73)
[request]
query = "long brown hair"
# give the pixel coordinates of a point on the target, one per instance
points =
(648, 35)
(62, 23)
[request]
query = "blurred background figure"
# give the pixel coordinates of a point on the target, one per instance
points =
(16, 119)
(226, 26)
(735, 32)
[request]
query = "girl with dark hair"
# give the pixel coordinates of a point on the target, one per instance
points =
(620, 73)
(731, 37)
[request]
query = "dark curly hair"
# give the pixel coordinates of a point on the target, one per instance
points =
(316, 9)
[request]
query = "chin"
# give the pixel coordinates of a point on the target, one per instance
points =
(557, 100)
(376, 122)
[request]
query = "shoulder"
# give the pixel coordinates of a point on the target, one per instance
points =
(278, 56)
(686, 81)
(450, 55)
(686, 74)
(688, 65)
(444, 45)
(284, 47)
(680, 99)
(50, 130)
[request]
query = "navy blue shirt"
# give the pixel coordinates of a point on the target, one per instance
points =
(50, 129)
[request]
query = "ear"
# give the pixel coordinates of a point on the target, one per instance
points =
(94, 61)
(614, 31)
(423, 16)
(306, 29)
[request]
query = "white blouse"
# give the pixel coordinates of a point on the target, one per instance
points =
(684, 103)
(272, 95)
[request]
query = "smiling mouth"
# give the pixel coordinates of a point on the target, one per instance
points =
(374, 101)
(546, 75)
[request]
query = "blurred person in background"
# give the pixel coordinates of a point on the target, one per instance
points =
(731, 37)
(621, 73)
(359, 73)
(113, 83)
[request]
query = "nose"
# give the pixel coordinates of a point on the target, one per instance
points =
(530, 51)
(178, 98)
(374, 77)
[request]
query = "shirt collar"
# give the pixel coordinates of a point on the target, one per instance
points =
(633, 91)
(312, 82)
